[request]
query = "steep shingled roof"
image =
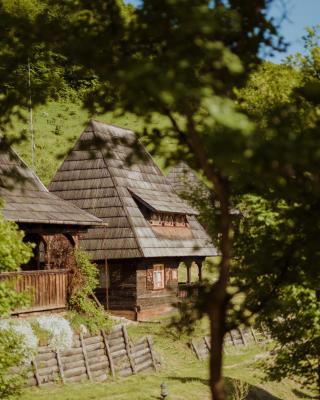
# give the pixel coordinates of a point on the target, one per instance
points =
(27, 200)
(97, 177)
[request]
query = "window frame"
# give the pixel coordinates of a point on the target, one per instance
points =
(158, 268)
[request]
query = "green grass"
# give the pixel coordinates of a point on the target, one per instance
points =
(186, 377)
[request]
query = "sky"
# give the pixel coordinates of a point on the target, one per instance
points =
(300, 14)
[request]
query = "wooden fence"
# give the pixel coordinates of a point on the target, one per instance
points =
(92, 357)
(235, 338)
(49, 289)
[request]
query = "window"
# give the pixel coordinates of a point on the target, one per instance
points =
(162, 219)
(155, 219)
(180, 220)
(174, 275)
(158, 276)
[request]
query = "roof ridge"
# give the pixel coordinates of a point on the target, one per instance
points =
(120, 197)
(26, 166)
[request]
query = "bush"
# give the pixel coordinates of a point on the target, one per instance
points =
(17, 346)
(13, 253)
(15, 340)
(56, 331)
(83, 309)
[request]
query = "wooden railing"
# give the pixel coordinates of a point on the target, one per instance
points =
(48, 289)
(187, 290)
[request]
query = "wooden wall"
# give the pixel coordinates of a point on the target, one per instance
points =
(131, 293)
(48, 289)
(150, 301)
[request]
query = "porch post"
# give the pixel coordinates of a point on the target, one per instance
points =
(188, 265)
(106, 268)
(199, 264)
(47, 250)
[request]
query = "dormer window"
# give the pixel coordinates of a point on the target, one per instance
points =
(155, 219)
(168, 220)
(162, 219)
(163, 210)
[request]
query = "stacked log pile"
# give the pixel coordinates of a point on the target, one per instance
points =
(92, 357)
(234, 338)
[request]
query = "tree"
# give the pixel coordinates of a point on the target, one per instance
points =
(276, 267)
(181, 59)
(277, 238)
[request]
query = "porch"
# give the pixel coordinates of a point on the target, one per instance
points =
(48, 288)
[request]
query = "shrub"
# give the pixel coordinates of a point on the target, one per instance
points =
(22, 328)
(12, 353)
(83, 309)
(17, 347)
(13, 253)
(58, 329)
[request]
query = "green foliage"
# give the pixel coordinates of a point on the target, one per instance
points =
(296, 326)
(188, 61)
(10, 299)
(42, 335)
(83, 308)
(276, 267)
(13, 253)
(12, 354)
(269, 87)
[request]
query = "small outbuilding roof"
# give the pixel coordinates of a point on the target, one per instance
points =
(109, 174)
(27, 200)
(183, 179)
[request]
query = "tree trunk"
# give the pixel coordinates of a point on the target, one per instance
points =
(217, 301)
(217, 314)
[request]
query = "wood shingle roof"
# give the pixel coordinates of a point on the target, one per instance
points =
(27, 200)
(105, 173)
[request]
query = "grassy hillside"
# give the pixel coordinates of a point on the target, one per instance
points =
(57, 126)
(186, 377)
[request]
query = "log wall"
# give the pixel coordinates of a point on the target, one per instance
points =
(131, 293)
(235, 338)
(96, 358)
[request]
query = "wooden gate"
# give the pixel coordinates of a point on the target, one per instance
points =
(48, 289)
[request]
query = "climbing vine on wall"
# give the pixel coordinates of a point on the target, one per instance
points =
(83, 308)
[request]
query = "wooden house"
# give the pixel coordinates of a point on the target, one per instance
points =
(49, 222)
(150, 230)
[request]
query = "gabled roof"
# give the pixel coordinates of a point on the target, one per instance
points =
(154, 200)
(27, 200)
(185, 183)
(97, 177)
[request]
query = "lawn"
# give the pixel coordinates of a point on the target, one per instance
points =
(186, 377)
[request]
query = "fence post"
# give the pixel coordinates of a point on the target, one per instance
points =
(152, 353)
(126, 341)
(84, 352)
(35, 371)
(108, 352)
(60, 366)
